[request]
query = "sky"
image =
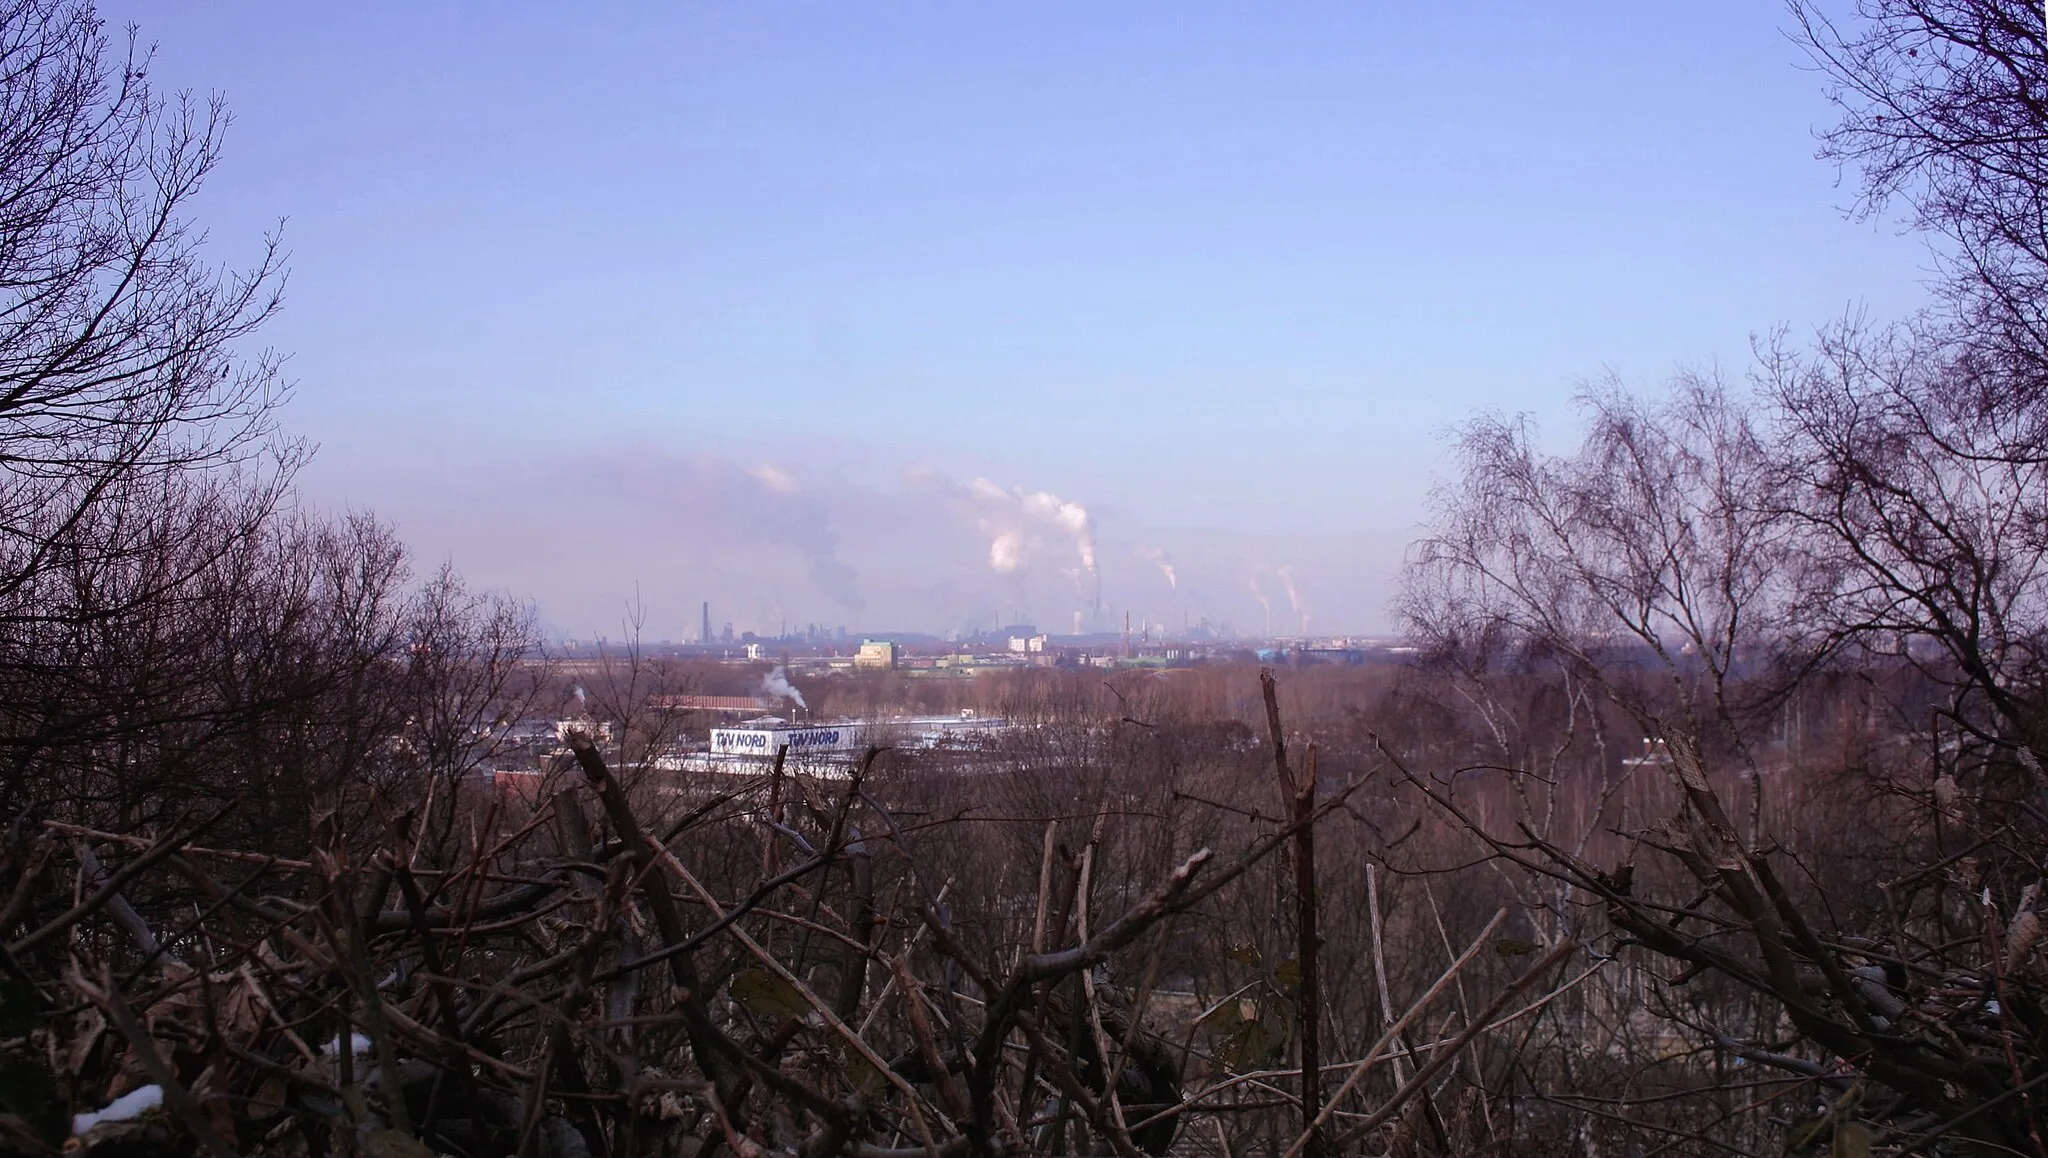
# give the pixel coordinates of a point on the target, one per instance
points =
(837, 313)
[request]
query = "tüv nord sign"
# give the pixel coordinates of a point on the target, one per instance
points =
(764, 741)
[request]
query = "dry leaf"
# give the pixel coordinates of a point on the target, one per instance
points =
(767, 994)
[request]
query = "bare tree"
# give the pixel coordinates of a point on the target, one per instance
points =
(1662, 543)
(1927, 529)
(1704, 563)
(1945, 106)
(118, 338)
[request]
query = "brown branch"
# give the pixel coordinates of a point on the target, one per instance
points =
(180, 1099)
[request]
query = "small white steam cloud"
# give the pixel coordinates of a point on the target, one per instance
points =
(776, 686)
(1259, 594)
(775, 478)
(582, 697)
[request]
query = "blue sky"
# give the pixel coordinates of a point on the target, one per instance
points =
(685, 297)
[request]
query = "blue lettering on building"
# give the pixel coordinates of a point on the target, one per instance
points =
(767, 741)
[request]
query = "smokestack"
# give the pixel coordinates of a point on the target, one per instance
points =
(1127, 635)
(705, 635)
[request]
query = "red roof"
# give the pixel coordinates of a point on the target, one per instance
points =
(705, 703)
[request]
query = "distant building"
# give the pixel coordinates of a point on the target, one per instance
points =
(723, 705)
(1023, 644)
(830, 749)
(875, 655)
(763, 738)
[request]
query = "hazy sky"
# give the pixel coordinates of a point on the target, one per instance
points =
(738, 302)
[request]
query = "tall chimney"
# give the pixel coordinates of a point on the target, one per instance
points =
(705, 637)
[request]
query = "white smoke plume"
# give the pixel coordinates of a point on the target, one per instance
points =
(1164, 562)
(1022, 525)
(775, 478)
(1294, 599)
(776, 686)
(1260, 595)
(582, 698)
(803, 522)
(1006, 551)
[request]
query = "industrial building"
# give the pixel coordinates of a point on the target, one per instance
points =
(875, 655)
(828, 749)
(715, 705)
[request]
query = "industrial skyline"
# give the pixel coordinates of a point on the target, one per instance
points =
(797, 308)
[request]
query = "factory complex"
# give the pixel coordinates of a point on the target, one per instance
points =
(744, 708)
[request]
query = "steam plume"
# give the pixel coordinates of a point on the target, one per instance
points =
(1294, 599)
(1020, 524)
(776, 686)
(1260, 595)
(1164, 562)
(789, 516)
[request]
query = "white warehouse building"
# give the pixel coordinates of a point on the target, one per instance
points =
(828, 748)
